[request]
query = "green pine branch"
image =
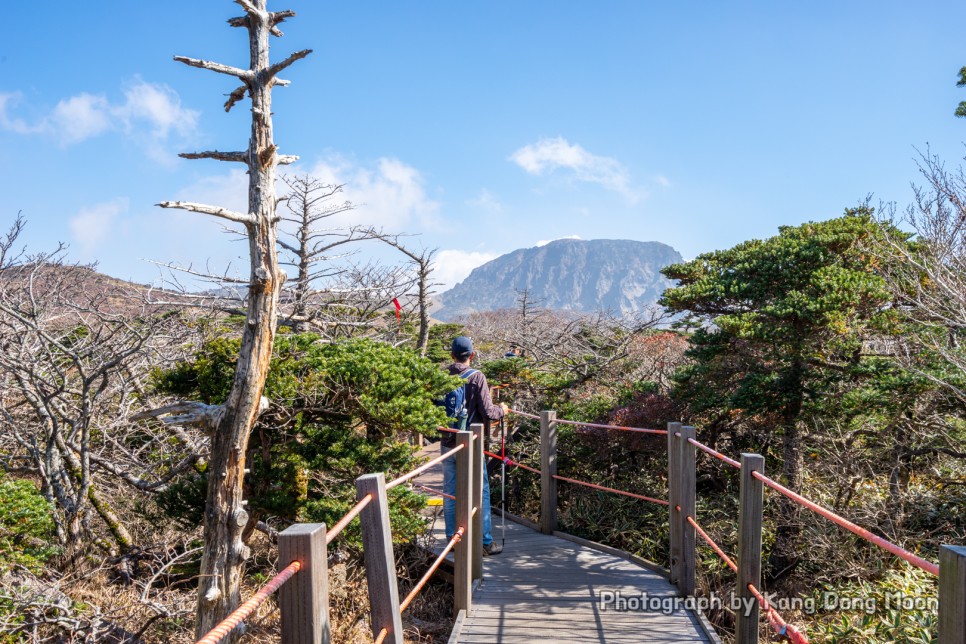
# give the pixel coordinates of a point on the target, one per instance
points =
(961, 110)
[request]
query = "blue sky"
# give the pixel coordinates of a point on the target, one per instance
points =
(481, 127)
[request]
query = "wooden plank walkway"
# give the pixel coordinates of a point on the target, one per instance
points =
(433, 477)
(547, 587)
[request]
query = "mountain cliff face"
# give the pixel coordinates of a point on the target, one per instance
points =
(576, 275)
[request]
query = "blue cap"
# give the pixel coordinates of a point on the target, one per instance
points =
(462, 347)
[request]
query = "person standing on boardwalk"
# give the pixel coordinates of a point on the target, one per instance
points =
(479, 409)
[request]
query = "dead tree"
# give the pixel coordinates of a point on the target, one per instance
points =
(230, 423)
(928, 276)
(344, 299)
(422, 261)
(582, 346)
(75, 349)
(354, 304)
(310, 245)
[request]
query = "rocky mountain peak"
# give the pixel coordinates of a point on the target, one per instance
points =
(581, 276)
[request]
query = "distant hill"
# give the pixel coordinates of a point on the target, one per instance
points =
(582, 276)
(78, 287)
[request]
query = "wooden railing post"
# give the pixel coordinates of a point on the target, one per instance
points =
(478, 464)
(686, 571)
(463, 553)
(751, 493)
(379, 559)
(304, 599)
(674, 499)
(952, 594)
(548, 469)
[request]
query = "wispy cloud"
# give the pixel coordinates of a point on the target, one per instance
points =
(79, 118)
(14, 124)
(453, 266)
(486, 201)
(150, 113)
(92, 225)
(228, 190)
(550, 154)
(388, 193)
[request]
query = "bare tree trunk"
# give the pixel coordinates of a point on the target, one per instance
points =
(307, 249)
(303, 282)
(425, 268)
(225, 518)
(784, 555)
(424, 265)
(225, 553)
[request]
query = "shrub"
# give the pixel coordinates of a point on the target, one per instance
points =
(338, 410)
(26, 526)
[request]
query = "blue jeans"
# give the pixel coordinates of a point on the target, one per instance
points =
(449, 505)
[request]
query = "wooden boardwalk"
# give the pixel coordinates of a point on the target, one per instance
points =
(549, 587)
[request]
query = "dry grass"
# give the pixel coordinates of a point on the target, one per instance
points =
(104, 606)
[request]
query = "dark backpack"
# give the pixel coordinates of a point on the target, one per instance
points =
(455, 404)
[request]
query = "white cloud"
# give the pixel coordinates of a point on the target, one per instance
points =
(226, 190)
(185, 238)
(150, 113)
(93, 224)
(79, 118)
(387, 194)
(662, 181)
(11, 124)
(157, 105)
(544, 242)
(549, 154)
(212, 253)
(486, 201)
(452, 266)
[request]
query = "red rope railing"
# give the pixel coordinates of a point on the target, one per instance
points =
(718, 455)
(436, 564)
(641, 430)
(714, 546)
(503, 459)
(356, 510)
(426, 488)
(900, 552)
(610, 489)
(842, 522)
(237, 616)
(782, 628)
(422, 468)
(510, 461)
(561, 421)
